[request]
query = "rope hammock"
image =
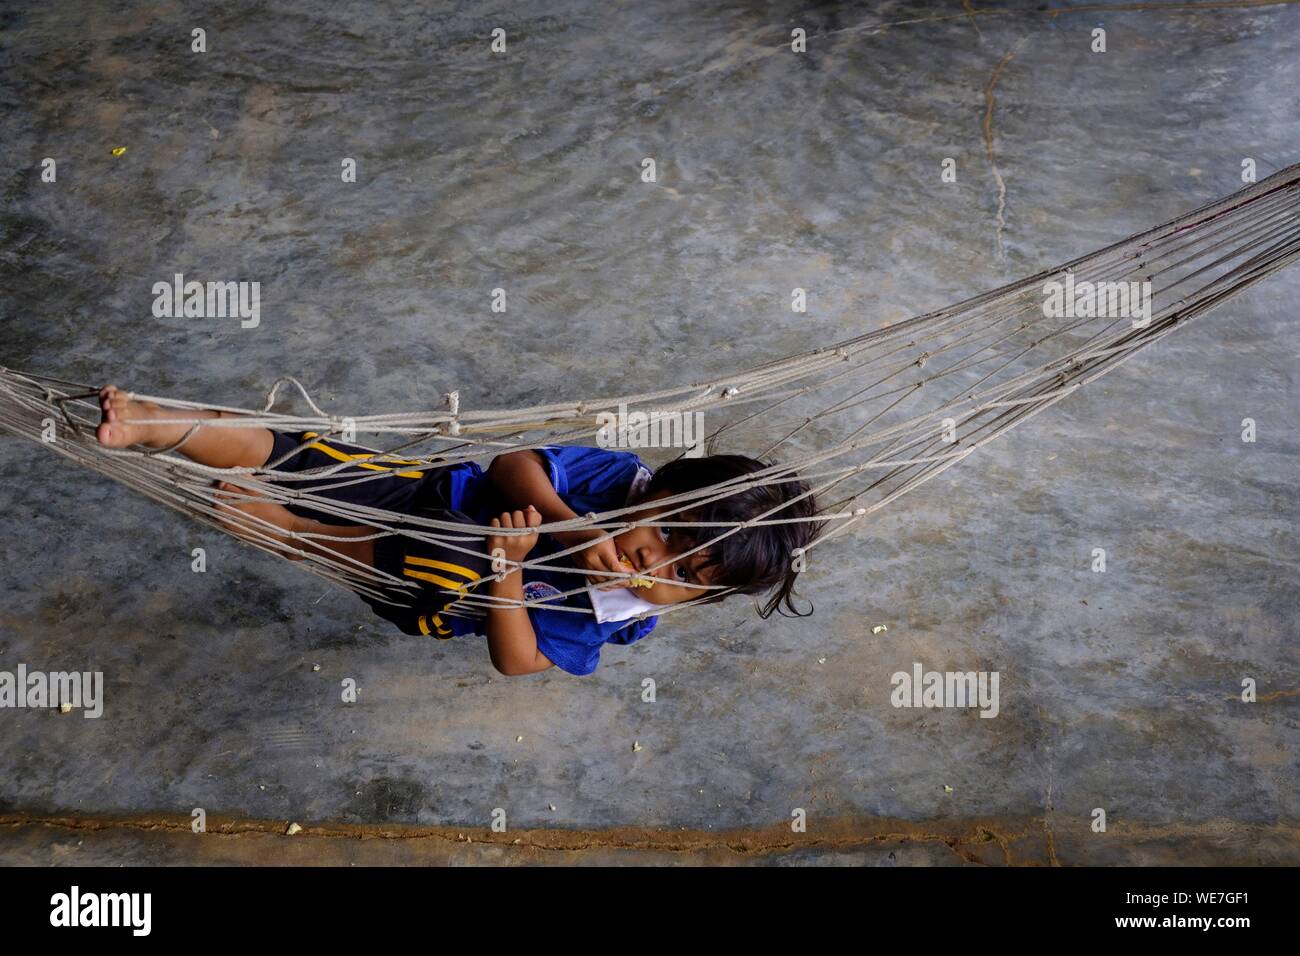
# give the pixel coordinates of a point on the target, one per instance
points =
(863, 421)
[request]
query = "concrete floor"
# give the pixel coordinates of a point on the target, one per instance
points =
(1119, 691)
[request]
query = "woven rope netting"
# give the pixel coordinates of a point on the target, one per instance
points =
(863, 421)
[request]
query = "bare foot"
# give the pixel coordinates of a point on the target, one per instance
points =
(241, 518)
(115, 408)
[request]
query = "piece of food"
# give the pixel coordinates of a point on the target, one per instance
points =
(637, 581)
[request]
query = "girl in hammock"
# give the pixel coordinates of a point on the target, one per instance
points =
(648, 566)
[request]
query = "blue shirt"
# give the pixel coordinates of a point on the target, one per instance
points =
(586, 479)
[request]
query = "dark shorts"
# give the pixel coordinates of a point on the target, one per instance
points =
(438, 573)
(378, 481)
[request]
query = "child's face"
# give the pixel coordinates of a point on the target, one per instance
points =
(647, 547)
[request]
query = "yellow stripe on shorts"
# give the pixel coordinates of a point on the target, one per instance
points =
(465, 573)
(356, 459)
(472, 580)
(448, 583)
(444, 633)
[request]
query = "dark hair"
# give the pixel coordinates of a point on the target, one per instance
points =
(753, 560)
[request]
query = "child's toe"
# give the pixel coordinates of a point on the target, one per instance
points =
(108, 435)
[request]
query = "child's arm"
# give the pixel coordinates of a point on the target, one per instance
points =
(512, 643)
(521, 476)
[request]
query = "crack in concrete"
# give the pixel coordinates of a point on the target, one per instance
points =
(972, 12)
(1047, 826)
(988, 142)
(775, 838)
(962, 837)
(1269, 698)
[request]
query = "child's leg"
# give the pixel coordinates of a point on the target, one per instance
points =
(261, 521)
(216, 447)
(268, 519)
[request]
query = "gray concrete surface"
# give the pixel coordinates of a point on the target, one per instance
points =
(1119, 691)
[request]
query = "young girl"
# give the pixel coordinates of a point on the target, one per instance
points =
(639, 569)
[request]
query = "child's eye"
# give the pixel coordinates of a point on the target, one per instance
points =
(666, 533)
(681, 574)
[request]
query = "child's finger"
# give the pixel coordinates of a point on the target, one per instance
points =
(534, 517)
(617, 568)
(610, 556)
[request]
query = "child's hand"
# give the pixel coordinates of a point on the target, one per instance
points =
(515, 547)
(596, 557)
